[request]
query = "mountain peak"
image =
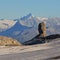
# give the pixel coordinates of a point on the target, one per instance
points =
(27, 16)
(30, 14)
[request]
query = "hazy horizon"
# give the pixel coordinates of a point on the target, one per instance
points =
(11, 9)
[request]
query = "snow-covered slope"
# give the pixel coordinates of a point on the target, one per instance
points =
(6, 24)
(15, 30)
(23, 30)
(53, 25)
(26, 28)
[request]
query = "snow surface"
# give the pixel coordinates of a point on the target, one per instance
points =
(32, 52)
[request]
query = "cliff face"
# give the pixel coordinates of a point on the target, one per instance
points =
(40, 37)
(42, 29)
(7, 41)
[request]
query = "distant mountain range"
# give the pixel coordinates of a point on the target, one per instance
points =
(26, 28)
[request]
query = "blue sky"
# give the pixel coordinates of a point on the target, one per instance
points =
(11, 9)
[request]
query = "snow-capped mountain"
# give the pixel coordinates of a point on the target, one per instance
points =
(26, 28)
(22, 30)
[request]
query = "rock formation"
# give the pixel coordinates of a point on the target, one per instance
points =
(7, 41)
(42, 29)
(40, 38)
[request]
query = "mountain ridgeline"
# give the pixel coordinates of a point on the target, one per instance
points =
(26, 28)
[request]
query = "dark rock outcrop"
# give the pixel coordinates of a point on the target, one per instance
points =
(40, 38)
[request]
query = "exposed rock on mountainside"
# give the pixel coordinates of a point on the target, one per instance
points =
(26, 28)
(7, 41)
(42, 29)
(54, 36)
(40, 38)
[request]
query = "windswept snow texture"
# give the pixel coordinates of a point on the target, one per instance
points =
(26, 28)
